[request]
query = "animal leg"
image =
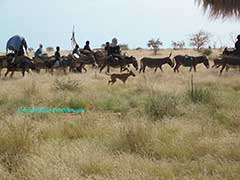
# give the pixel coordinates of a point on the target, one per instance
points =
(161, 68)
(23, 73)
(190, 70)
(7, 73)
(102, 68)
(113, 80)
(227, 68)
(176, 69)
(223, 67)
(156, 69)
(195, 69)
(144, 67)
(12, 74)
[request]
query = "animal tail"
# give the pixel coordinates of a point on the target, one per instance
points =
(141, 63)
(170, 54)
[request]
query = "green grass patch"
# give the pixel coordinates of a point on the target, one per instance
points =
(159, 106)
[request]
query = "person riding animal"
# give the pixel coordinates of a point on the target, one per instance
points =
(237, 46)
(87, 46)
(235, 52)
(17, 44)
(114, 52)
(39, 52)
(76, 51)
(57, 54)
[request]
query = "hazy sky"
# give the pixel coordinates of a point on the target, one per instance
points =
(133, 22)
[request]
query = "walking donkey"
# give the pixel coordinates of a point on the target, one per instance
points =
(229, 61)
(121, 63)
(82, 61)
(190, 61)
(51, 63)
(21, 63)
(155, 63)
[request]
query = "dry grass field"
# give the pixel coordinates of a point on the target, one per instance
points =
(154, 127)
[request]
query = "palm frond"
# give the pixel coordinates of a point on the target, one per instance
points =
(221, 8)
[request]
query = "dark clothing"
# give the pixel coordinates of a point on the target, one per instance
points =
(57, 55)
(87, 47)
(106, 48)
(237, 45)
(20, 52)
(114, 50)
(38, 53)
(76, 51)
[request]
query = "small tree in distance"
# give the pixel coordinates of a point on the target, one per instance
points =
(155, 45)
(178, 45)
(200, 39)
(50, 49)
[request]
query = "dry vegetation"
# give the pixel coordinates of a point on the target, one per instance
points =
(153, 127)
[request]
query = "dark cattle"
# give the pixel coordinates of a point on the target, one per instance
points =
(21, 63)
(190, 61)
(155, 63)
(121, 63)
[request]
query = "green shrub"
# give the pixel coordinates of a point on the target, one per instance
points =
(206, 52)
(69, 85)
(77, 103)
(163, 105)
(199, 95)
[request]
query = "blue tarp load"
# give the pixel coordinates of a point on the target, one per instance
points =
(15, 42)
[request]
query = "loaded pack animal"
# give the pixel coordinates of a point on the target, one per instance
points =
(121, 63)
(80, 62)
(21, 63)
(52, 63)
(190, 61)
(230, 61)
(155, 63)
(123, 77)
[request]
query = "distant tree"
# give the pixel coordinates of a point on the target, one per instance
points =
(103, 46)
(139, 48)
(50, 49)
(233, 37)
(200, 39)
(178, 45)
(124, 47)
(206, 52)
(155, 45)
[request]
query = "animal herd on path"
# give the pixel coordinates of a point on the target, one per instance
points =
(99, 60)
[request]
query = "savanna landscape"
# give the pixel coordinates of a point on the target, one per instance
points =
(161, 125)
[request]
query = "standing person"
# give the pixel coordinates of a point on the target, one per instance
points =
(87, 46)
(39, 52)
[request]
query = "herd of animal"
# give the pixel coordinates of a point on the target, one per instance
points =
(100, 60)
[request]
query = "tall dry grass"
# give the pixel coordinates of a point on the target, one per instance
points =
(150, 128)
